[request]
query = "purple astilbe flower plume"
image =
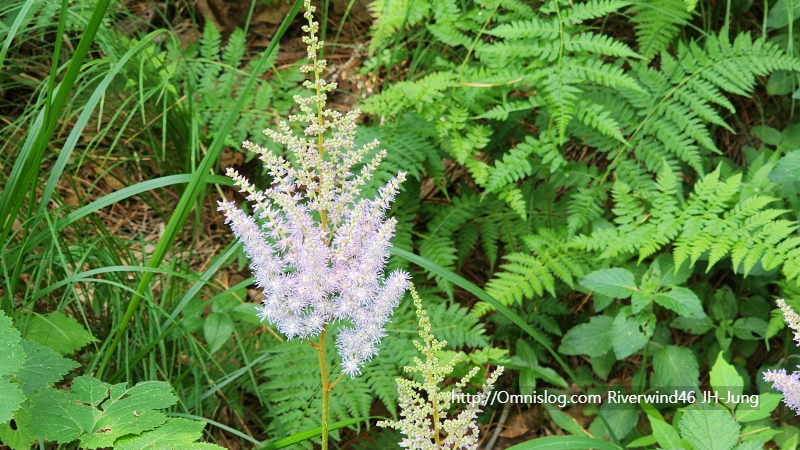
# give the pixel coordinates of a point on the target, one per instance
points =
(320, 252)
(788, 384)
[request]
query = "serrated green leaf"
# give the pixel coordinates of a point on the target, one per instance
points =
(43, 367)
(59, 417)
(675, 367)
(21, 436)
(59, 332)
(616, 283)
(746, 412)
(130, 411)
(683, 301)
(10, 348)
(11, 398)
(591, 339)
(174, 434)
(13, 356)
(665, 434)
(631, 332)
(725, 379)
(90, 390)
(709, 429)
(641, 300)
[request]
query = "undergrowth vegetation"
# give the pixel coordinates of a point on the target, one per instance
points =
(601, 196)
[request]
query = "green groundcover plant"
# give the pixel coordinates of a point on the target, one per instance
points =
(597, 197)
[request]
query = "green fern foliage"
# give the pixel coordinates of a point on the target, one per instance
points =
(657, 24)
(532, 274)
(713, 224)
(214, 68)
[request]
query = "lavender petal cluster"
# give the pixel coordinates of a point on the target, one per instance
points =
(317, 250)
(788, 384)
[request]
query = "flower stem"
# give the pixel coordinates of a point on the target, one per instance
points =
(323, 370)
(435, 401)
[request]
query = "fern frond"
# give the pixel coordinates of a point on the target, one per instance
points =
(657, 24)
(581, 12)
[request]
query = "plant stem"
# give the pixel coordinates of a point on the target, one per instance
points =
(326, 392)
(435, 401)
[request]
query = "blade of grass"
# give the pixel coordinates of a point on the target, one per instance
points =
(83, 119)
(282, 443)
(21, 16)
(314, 432)
(122, 194)
(565, 442)
(25, 169)
(196, 186)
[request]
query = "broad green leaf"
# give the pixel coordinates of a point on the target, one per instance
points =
(123, 411)
(59, 417)
(725, 379)
(768, 135)
(549, 375)
(664, 267)
(527, 381)
(130, 411)
(665, 434)
(709, 429)
(787, 438)
(217, 329)
(788, 167)
(644, 441)
(591, 339)
(525, 351)
(675, 367)
(746, 412)
(174, 433)
(602, 364)
(564, 421)
(631, 332)
(750, 328)
(59, 332)
(43, 367)
(21, 436)
(621, 419)
(616, 283)
(724, 305)
(752, 445)
(694, 326)
(641, 300)
(10, 348)
(758, 433)
(780, 82)
(13, 356)
(90, 390)
(683, 301)
(783, 13)
(11, 398)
